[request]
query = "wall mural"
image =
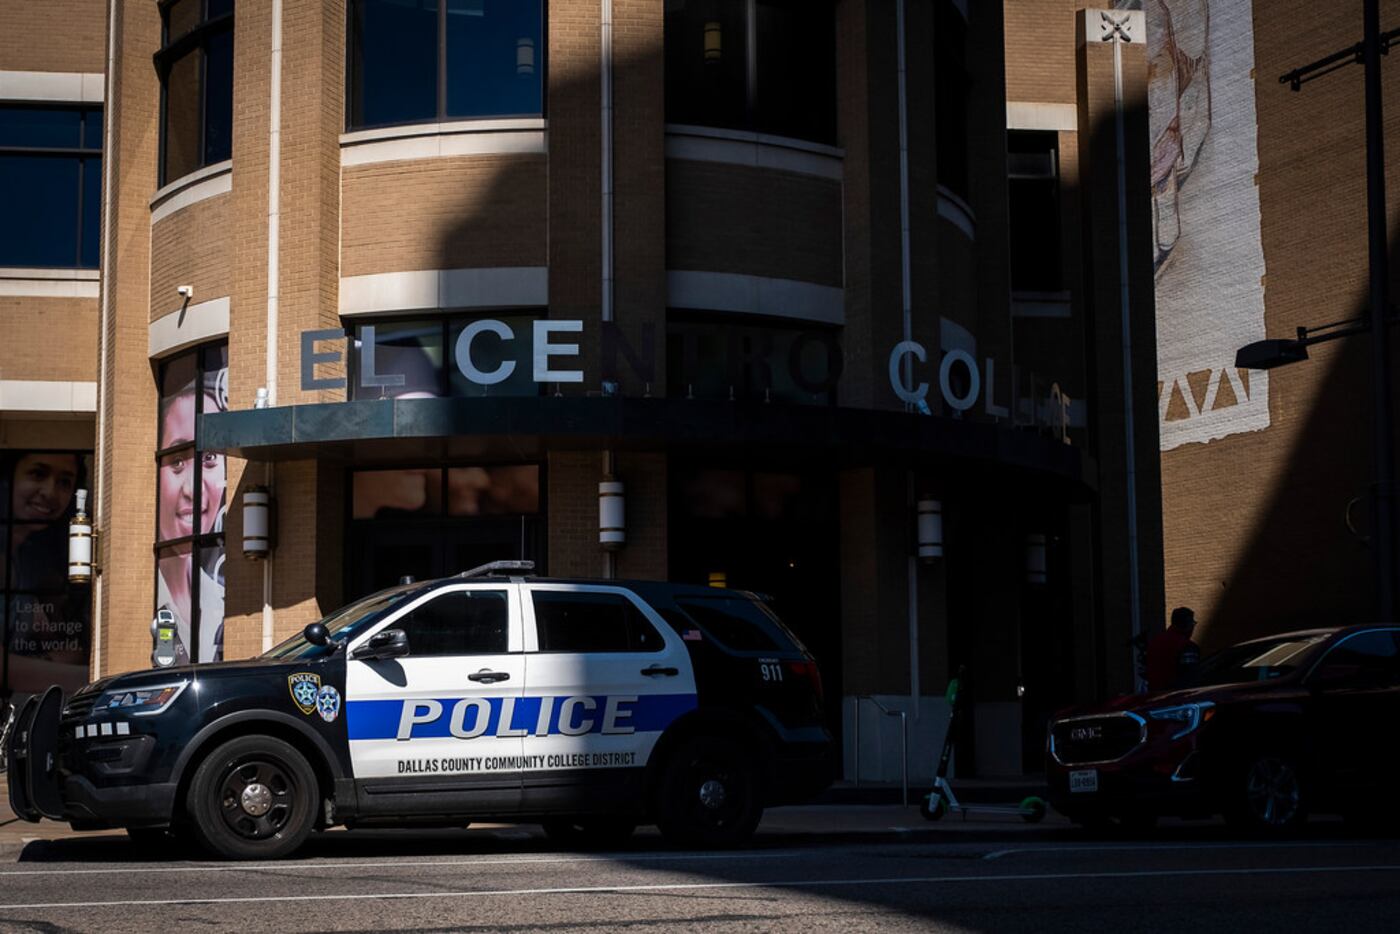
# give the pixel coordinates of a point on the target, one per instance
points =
(1209, 259)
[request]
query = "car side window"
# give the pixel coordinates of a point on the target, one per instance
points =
(582, 621)
(1367, 658)
(461, 622)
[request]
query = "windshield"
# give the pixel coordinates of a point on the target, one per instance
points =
(345, 623)
(1256, 661)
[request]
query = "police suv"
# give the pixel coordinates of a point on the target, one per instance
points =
(588, 706)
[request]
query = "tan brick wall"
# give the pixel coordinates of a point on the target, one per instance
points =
(471, 211)
(1255, 524)
(128, 397)
(1040, 49)
(193, 246)
(48, 338)
(758, 222)
(572, 513)
(53, 35)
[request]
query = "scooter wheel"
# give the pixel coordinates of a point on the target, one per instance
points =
(1033, 810)
(933, 806)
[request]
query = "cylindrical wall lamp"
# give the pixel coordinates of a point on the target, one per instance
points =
(612, 514)
(1035, 558)
(257, 523)
(525, 56)
(80, 539)
(714, 47)
(930, 529)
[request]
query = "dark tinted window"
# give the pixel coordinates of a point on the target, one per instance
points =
(738, 623)
(418, 60)
(1033, 192)
(1256, 661)
(50, 185)
(458, 623)
(196, 70)
(778, 78)
(1365, 658)
(568, 621)
(950, 94)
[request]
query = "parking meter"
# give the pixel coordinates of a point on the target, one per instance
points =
(163, 638)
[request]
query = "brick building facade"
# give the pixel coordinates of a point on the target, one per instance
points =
(784, 270)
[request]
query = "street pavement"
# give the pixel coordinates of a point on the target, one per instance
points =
(812, 868)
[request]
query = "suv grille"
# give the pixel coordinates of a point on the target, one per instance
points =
(1085, 740)
(78, 707)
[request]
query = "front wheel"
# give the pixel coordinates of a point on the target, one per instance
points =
(709, 795)
(253, 797)
(1269, 795)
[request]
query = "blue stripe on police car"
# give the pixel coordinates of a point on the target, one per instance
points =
(471, 717)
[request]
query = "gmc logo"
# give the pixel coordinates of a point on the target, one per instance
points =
(1080, 734)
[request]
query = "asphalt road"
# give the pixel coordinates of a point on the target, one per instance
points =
(511, 879)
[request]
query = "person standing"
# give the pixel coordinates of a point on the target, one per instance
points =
(1171, 655)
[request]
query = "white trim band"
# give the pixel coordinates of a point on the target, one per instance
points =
(754, 150)
(955, 210)
(64, 87)
(420, 289)
(201, 322)
(1040, 305)
(45, 395)
(757, 295)
(436, 140)
(23, 282)
(1030, 115)
(208, 182)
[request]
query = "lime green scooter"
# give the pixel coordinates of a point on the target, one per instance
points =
(941, 799)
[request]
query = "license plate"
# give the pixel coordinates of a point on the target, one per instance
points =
(1085, 781)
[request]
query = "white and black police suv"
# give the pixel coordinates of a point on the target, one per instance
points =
(588, 706)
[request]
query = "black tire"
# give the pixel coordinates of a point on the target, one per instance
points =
(709, 795)
(254, 797)
(1267, 794)
(932, 811)
(590, 832)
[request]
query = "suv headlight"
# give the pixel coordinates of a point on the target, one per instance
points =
(1189, 716)
(140, 702)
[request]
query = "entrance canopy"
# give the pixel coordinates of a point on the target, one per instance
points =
(389, 430)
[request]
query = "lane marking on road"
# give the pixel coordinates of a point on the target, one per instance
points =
(703, 886)
(288, 865)
(1136, 847)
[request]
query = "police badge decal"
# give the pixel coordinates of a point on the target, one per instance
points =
(328, 703)
(304, 686)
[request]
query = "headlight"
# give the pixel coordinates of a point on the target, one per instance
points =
(1189, 716)
(140, 702)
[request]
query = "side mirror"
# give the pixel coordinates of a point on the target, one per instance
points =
(316, 634)
(390, 643)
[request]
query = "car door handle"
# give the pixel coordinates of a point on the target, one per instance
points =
(486, 676)
(659, 670)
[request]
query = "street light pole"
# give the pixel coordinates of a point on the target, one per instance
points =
(1382, 415)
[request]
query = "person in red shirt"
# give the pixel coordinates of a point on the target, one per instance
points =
(1171, 654)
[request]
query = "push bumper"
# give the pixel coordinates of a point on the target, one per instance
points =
(118, 806)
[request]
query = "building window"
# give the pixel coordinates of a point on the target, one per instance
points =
(421, 359)
(44, 620)
(50, 185)
(1033, 189)
(190, 504)
(716, 357)
(195, 64)
(950, 94)
(767, 66)
(412, 61)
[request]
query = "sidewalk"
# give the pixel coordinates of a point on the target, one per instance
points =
(835, 815)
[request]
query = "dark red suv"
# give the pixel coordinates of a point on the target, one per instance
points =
(1266, 732)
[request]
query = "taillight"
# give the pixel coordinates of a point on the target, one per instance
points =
(808, 669)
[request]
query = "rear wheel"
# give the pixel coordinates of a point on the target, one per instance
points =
(709, 795)
(253, 797)
(590, 832)
(1268, 795)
